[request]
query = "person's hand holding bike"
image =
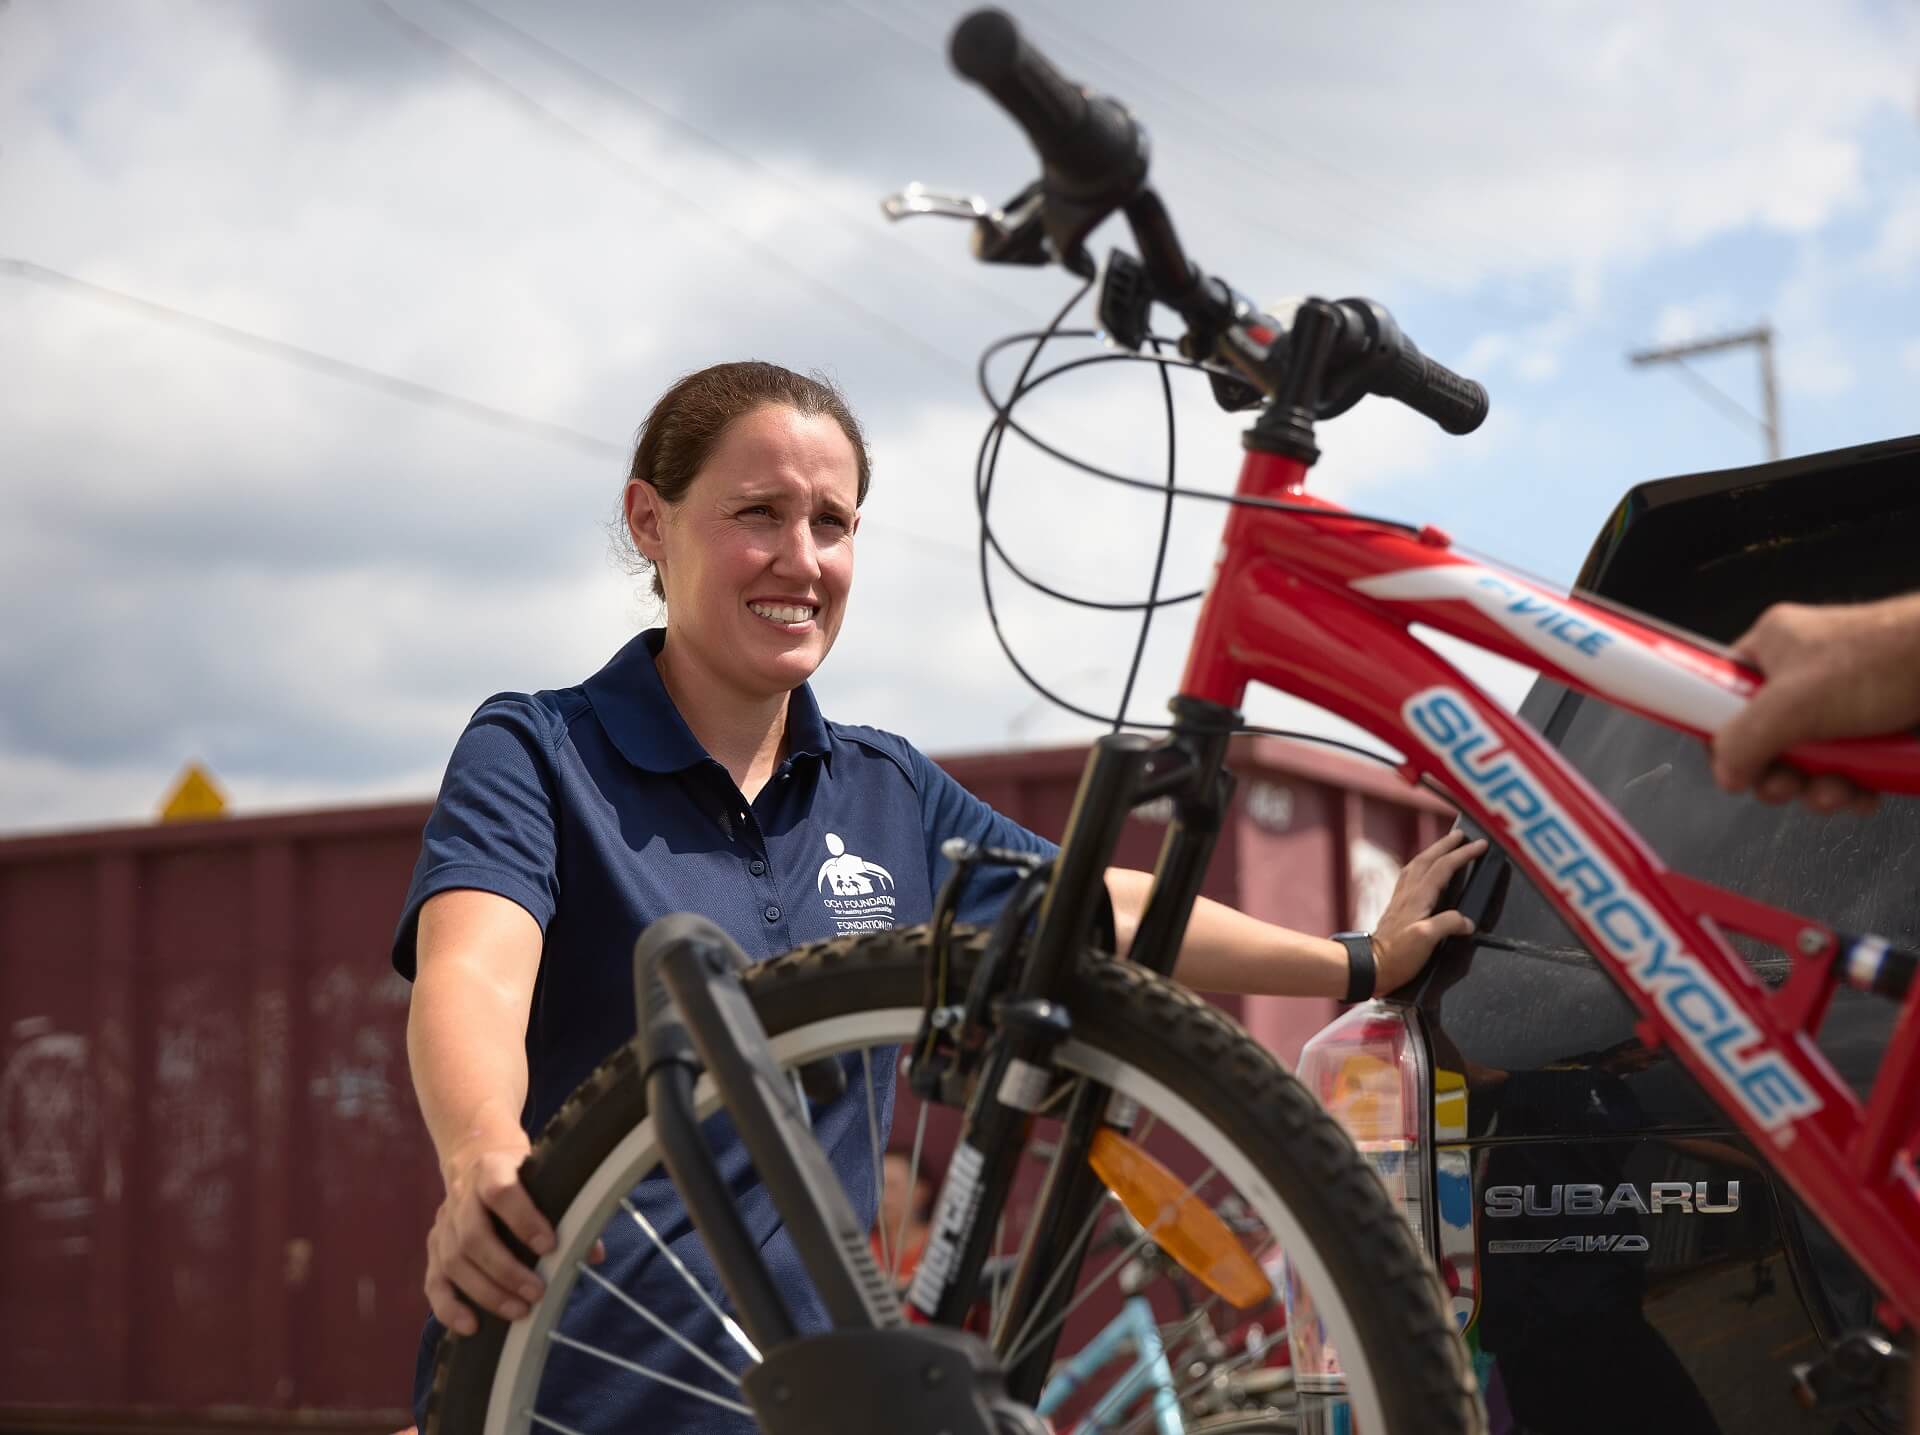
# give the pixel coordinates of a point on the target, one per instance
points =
(468, 1264)
(1846, 671)
(1412, 928)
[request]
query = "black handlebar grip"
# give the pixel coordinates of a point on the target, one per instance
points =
(1090, 145)
(1456, 403)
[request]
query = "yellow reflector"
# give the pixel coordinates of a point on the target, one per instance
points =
(1181, 1224)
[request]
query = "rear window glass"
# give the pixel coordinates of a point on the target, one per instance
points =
(1861, 874)
(1709, 554)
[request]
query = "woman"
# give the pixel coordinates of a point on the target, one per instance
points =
(695, 772)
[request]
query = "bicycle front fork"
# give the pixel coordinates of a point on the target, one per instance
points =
(1017, 1080)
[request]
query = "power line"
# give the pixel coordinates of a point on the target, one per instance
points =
(533, 44)
(1761, 338)
(1369, 233)
(1232, 129)
(390, 385)
(1228, 146)
(1231, 199)
(387, 385)
(1718, 396)
(769, 254)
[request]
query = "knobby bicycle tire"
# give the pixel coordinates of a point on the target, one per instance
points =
(1126, 1019)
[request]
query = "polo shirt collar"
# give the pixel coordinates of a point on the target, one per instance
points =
(639, 716)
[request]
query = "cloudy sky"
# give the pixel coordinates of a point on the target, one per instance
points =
(224, 536)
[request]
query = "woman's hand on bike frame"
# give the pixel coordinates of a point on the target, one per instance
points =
(465, 1255)
(1832, 672)
(1410, 929)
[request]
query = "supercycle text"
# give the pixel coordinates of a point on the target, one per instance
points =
(1753, 1072)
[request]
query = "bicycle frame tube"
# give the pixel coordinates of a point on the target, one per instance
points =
(1319, 607)
(1133, 1328)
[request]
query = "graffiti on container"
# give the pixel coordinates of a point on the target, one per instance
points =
(198, 1132)
(1270, 805)
(1374, 870)
(360, 1086)
(356, 1087)
(47, 1120)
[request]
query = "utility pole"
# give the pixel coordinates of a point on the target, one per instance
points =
(1762, 339)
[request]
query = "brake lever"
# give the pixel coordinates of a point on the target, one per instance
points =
(1015, 234)
(916, 198)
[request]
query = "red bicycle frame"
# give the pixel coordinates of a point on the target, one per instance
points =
(1318, 604)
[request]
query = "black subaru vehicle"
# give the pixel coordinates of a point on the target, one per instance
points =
(1620, 1258)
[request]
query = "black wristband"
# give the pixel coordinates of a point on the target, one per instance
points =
(1361, 971)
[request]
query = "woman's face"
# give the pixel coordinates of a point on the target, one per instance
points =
(757, 557)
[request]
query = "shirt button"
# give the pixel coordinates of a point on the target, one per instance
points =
(773, 914)
(756, 866)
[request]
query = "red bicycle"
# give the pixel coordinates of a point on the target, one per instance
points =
(1032, 1023)
(1315, 601)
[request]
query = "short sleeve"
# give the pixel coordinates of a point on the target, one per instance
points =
(492, 827)
(948, 810)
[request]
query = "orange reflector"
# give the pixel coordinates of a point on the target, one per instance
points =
(1180, 1223)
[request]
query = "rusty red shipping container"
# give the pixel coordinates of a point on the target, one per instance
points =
(214, 1183)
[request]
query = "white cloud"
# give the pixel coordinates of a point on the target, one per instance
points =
(1896, 251)
(211, 555)
(1697, 319)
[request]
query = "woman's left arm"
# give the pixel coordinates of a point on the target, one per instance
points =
(1228, 951)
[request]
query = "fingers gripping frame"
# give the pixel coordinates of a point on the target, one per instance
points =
(1297, 605)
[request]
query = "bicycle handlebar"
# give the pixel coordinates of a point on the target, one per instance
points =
(1391, 365)
(1095, 159)
(1093, 151)
(1458, 404)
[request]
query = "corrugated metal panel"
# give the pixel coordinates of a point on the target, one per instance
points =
(214, 1182)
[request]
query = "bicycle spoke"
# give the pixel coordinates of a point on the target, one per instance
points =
(1024, 1346)
(1211, 1304)
(727, 1322)
(660, 1325)
(906, 1212)
(1211, 1373)
(999, 1283)
(538, 1419)
(879, 1165)
(1067, 1261)
(638, 1369)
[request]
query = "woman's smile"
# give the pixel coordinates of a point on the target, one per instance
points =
(791, 617)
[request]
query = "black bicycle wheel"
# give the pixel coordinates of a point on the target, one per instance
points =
(1154, 1042)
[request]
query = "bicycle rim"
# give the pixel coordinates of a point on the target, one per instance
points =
(1344, 1270)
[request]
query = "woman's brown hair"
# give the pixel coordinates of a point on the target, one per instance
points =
(687, 421)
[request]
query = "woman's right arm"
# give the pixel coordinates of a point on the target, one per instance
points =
(476, 960)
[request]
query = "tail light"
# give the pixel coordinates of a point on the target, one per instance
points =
(1368, 1069)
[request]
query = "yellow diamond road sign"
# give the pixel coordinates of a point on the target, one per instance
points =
(193, 797)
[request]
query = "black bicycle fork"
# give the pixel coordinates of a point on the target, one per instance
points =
(869, 1375)
(873, 1374)
(1124, 771)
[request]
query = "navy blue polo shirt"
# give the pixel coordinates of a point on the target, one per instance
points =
(597, 810)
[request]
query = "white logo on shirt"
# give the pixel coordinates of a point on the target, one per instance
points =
(857, 890)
